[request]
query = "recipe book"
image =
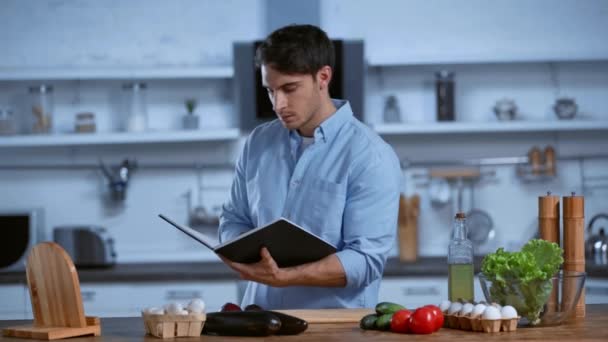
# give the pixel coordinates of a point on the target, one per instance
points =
(288, 243)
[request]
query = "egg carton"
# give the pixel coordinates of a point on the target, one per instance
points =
(480, 325)
(172, 325)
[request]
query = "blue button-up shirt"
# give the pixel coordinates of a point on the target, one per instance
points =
(344, 188)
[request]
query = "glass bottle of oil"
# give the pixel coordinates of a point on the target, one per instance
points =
(460, 262)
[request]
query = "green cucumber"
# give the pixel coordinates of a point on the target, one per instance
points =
(384, 322)
(388, 307)
(368, 322)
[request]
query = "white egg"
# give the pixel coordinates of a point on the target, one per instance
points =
(508, 312)
(466, 309)
(154, 311)
(196, 306)
(454, 308)
(174, 308)
(445, 305)
(182, 312)
(496, 305)
(478, 309)
(491, 313)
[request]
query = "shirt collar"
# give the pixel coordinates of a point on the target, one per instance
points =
(328, 128)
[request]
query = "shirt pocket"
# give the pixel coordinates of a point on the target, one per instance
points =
(260, 202)
(326, 201)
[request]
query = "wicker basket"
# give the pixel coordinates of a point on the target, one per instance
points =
(168, 325)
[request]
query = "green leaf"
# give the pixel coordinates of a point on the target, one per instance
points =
(522, 279)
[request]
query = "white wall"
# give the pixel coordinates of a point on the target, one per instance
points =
(90, 33)
(472, 30)
(125, 33)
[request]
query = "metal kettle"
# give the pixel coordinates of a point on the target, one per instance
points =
(596, 246)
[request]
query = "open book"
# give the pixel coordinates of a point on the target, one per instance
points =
(288, 243)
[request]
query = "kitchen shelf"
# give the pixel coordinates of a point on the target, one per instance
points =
(481, 59)
(81, 139)
(490, 127)
(110, 73)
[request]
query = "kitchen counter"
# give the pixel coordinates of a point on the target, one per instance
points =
(193, 271)
(593, 328)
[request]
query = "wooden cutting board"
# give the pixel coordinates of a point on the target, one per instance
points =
(329, 315)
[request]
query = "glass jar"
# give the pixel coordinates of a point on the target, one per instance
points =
(39, 113)
(8, 126)
(85, 122)
(135, 107)
(444, 92)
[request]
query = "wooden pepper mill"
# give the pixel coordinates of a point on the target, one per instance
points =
(548, 225)
(574, 247)
(409, 209)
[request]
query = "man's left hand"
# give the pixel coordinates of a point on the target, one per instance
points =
(265, 271)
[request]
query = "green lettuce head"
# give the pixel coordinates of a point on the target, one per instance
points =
(523, 279)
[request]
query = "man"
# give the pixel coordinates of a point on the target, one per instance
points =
(321, 168)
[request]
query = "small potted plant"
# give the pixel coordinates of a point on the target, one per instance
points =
(190, 120)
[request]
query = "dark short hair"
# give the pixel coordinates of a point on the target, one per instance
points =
(296, 49)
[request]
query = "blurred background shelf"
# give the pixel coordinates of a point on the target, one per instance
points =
(465, 59)
(120, 138)
(490, 127)
(110, 73)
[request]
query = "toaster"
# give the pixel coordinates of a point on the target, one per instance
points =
(88, 246)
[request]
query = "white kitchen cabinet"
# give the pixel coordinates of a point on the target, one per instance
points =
(413, 292)
(12, 301)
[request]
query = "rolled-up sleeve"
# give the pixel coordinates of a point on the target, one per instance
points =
(370, 218)
(235, 218)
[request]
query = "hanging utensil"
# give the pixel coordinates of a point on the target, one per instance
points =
(479, 223)
(596, 246)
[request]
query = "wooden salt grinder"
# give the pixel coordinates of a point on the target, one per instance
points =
(548, 226)
(574, 246)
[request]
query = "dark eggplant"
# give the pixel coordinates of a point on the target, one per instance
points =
(253, 307)
(290, 325)
(242, 323)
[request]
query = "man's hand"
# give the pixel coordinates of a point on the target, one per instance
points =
(265, 271)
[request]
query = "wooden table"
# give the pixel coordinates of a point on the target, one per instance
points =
(593, 328)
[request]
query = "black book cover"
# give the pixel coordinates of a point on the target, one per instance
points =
(288, 243)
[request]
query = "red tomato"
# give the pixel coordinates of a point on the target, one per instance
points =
(401, 321)
(438, 316)
(422, 321)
